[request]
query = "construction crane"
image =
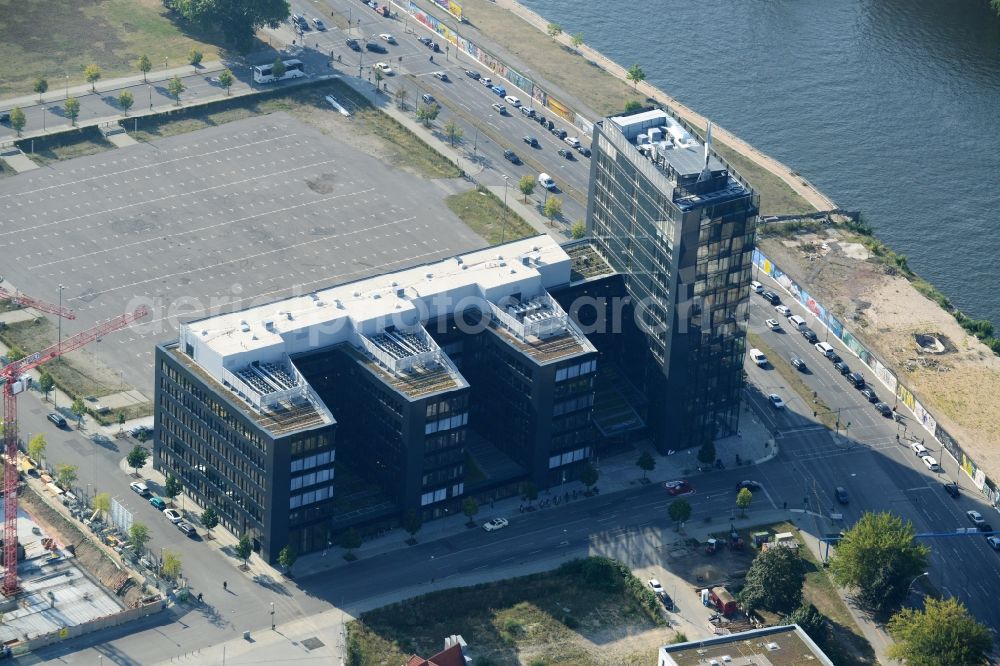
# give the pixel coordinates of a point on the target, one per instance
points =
(41, 306)
(15, 381)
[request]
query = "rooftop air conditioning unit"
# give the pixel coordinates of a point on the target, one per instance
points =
(429, 275)
(400, 293)
(458, 259)
(499, 257)
(245, 327)
(289, 315)
(356, 293)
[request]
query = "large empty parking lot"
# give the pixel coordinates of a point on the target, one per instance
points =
(243, 213)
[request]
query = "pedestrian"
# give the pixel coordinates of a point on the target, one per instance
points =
(225, 585)
(785, 505)
(199, 597)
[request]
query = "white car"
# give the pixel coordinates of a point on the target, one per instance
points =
(173, 515)
(513, 101)
(994, 542)
(441, 75)
(486, 81)
(773, 324)
(573, 141)
(655, 586)
(495, 524)
(782, 310)
(776, 401)
(545, 180)
(975, 518)
(319, 24)
(384, 68)
(756, 287)
(919, 449)
(387, 37)
(931, 463)
(139, 487)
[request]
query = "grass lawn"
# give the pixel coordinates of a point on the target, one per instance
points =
(32, 336)
(793, 378)
(554, 618)
(57, 38)
(66, 146)
(599, 90)
(484, 213)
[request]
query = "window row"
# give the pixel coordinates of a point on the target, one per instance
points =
(310, 497)
(572, 371)
(315, 460)
(446, 424)
(311, 478)
(569, 457)
(573, 404)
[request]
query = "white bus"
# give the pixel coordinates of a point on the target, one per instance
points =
(293, 70)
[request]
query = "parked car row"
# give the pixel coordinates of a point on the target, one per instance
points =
(158, 503)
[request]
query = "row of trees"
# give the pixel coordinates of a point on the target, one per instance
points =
(633, 73)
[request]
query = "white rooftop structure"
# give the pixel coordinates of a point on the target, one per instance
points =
(382, 317)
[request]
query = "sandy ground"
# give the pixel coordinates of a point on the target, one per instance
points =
(958, 387)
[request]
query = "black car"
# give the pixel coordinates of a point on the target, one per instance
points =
(471, 73)
(799, 364)
(531, 141)
(870, 394)
(985, 527)
(583, 151)
(771, 297)
(884, 409)
(841, 494)
(857, 379)
(842, 368)
(568, 154)
(511, 157)
(834, 358)
(57, 419)
(436, 47)
(375, 47)
(809, 335)
(667, 602)
(749, 485)
(550, 125)
(5, 118)
(428, 42)
(951, 489)
(353, 45)
(540, 118)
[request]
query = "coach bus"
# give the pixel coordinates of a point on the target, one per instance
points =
(264, 74)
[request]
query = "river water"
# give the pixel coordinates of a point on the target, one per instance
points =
(890, 107)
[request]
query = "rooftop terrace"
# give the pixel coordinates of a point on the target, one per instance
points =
(771, 646)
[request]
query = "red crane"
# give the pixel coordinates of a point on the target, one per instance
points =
(29, 302)
(14, 382)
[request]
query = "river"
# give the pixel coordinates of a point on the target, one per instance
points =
(890, 107)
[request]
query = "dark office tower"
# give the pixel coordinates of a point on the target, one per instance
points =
(678, 225)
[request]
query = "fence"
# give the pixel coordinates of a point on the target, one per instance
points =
(884, 374)
(105, 622)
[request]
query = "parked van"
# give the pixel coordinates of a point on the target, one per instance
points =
(823, 348)
(756, 287)
(797, 321)
(545, 180)
(757, 356)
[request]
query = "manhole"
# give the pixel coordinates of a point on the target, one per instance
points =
(312, 643)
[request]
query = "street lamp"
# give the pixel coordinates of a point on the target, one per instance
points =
(55, 394)
(272, 616)
(67, 85)
(915, 580)
(503, 227)
(150, 96)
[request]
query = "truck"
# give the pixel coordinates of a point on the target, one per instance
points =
(723, 601)
(757, 356)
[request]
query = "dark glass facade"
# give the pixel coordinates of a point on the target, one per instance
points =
(682, 243)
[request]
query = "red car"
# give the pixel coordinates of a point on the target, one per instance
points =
(678, 487)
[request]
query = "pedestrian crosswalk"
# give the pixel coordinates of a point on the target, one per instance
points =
(835, 447)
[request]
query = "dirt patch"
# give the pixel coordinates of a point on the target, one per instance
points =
(885, 312)
(88, 554)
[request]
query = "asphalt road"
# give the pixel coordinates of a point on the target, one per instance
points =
(879, 472)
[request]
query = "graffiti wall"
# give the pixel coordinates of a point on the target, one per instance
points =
(885, 375)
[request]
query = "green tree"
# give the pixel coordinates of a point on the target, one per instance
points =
(743, 499)
(350, 540)
(635, 75)
(942, 634)
(878, 558)
(527, 186)
(36, 447)
(812, 622)
(209, 519)
(175, 87)
(171, 567)
(287, 557)
(46, 383)
(143, 435)
(125, 101)
(632, 105)
(244, 549)
(15, 353)
(774, 581)
(706, 454)
(195, 57)
(137, 458)
(278, 68)
(102, 503)
(138, 536)
(226, 80)
(589, 475)
(553, 208)
(576, 40)
(79, 409)
(554, 29)
(238, 20)
(679, 510)
(378, 77)
(646, 462)
(453, 132)
(530, 491)
(92, 73)
(578, 230)
(17, 120)
(65, 476)
(995, 4)
(411, 523)
(72, 108)
(120, 418)
(401, 95)
(470, 507)
(41, 85)
(172, 487)
(427, 113)
(144, 66)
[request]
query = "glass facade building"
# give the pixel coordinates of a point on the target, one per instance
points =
(678, 226)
